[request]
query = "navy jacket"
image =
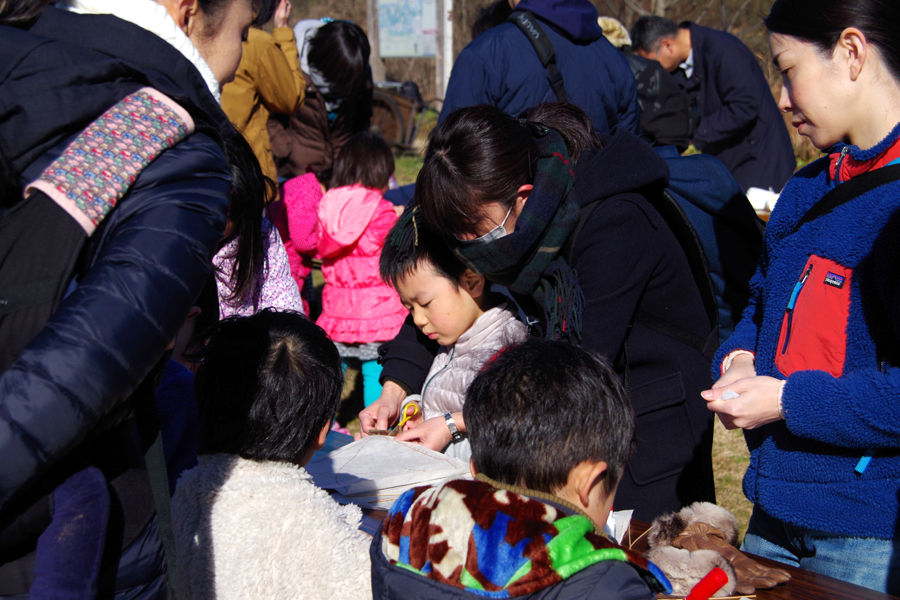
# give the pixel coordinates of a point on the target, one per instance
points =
(501, 68)
(143, 267)
(628, 260)
(740, 123)
(148, 260)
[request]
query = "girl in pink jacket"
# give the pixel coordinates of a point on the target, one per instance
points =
(358, 310)
(297, 221)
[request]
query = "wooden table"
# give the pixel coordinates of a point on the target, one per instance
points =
(804, 585)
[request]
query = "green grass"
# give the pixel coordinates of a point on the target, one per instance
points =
(730, 460)
(406, 168)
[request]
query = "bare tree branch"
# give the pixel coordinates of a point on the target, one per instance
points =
(635, 7)
(751, 28)
(737, 14)
(704, 11)
(613, 9)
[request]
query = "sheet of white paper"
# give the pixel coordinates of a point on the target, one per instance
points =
(617, 524)
(729, 395)
(373, 471)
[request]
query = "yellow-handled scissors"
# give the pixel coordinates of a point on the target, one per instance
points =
(409, 411)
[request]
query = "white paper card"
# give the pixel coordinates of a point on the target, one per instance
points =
(617, 524)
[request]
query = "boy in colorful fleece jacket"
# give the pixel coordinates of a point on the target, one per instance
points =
(550, 429)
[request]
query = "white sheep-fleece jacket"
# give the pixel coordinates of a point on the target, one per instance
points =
(248, 530)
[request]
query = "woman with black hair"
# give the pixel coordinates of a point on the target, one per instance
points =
(812, 368)
(508, 195)
(148, 235)
(334, 58)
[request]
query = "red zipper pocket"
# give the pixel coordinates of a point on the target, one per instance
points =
(814, 329)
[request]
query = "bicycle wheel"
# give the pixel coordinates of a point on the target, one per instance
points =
(387, 120)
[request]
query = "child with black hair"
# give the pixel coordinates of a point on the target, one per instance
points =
(359, 311)
(248, 520)
(551, 429)
(453, 306)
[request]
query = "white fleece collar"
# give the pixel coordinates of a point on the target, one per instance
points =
(153, 17)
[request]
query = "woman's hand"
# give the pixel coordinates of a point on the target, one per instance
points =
(282, 13)
(433, 434)
(757, 404)
(382, 413)
(742, 366)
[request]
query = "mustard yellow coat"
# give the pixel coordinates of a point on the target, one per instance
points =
(268, 79)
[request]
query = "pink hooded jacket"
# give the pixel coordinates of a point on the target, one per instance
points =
(357, 307)
(296, 218)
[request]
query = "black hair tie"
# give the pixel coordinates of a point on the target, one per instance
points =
(537, 130)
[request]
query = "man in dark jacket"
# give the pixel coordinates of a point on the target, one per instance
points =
(501, 68)
(739, 120)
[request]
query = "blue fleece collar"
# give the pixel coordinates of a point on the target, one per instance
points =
(863, 155)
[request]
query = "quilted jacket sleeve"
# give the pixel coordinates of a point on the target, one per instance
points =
(147, 263)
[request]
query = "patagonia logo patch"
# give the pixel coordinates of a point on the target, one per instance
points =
(834, 280)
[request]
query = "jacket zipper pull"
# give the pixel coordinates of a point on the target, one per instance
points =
(790, 307)
(864, 462)
(797, 287)
(840, 163)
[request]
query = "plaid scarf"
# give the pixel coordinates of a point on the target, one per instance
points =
(527, 260)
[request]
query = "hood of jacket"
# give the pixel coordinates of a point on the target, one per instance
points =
(67, 68)
(576, 19)
(623, 164)
(495, 540)
(344, 214)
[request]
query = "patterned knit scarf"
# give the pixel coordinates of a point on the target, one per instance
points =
(527, 261)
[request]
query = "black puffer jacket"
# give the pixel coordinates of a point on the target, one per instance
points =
(142, 268)
(147, 261)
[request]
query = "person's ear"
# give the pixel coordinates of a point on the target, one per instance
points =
(472, 468)
(853, 47)
(323, 434)
(472, 283)
(588, 474)
(522, 196)
(185, 13)
(666, 46)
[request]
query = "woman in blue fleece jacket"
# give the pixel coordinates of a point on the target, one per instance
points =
(816, 358)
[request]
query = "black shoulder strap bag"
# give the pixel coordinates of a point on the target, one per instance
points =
(847, 191)
(529, 25)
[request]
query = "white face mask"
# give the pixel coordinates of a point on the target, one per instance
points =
(494, 234)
